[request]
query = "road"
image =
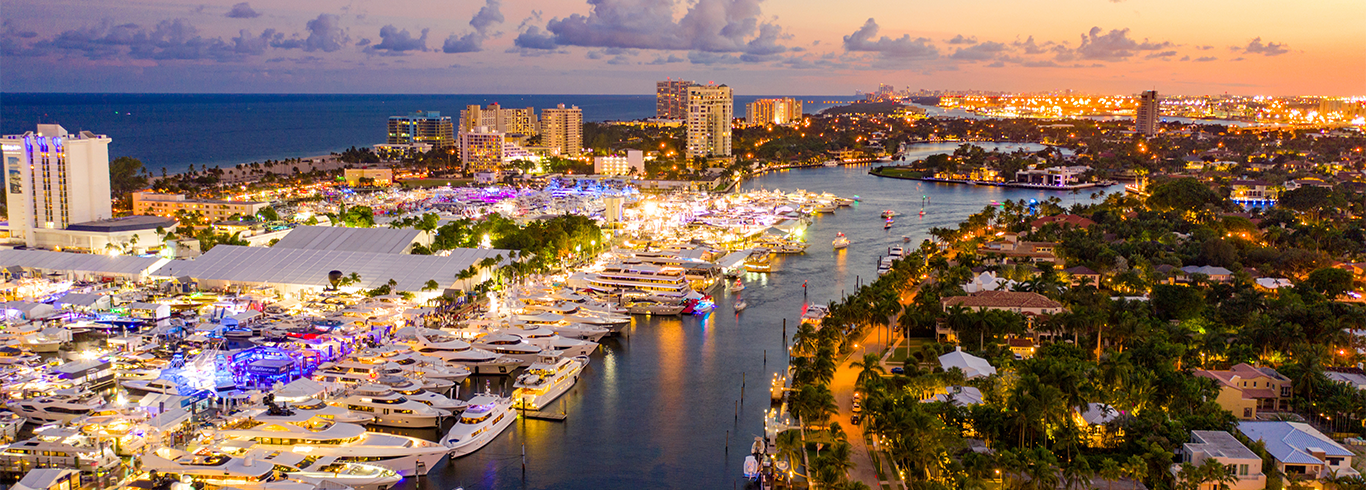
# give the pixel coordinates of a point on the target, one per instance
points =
(843, 388)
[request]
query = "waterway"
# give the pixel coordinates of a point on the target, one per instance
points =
(657, 406)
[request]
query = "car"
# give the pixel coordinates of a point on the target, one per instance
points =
(858, 408)
(898, 370)
(853, 419)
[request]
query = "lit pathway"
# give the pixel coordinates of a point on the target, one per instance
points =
(843, 389)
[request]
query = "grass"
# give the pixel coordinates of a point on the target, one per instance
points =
(433, 182)
(899, 172)
(905, 349)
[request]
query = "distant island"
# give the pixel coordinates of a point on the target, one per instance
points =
(862, 107)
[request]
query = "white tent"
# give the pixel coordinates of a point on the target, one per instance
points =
(972, 366)
(49, 478)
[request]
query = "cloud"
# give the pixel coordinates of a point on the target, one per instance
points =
(363, 42)
(902, 47)
(1186, 58)
(959, 39)
(1204, 48)
(713, 26)
(595, 55)
(710, 58)
(661, 60)
(980, 52)
(325, 34)
(395, 41)
(1112, 46)
(245, 43)
(1160, 54)
(1203, 59)
(1030, 47)
(243, 11)
(998, 64)
(1268, 49)
(175, 39)
(483, 21)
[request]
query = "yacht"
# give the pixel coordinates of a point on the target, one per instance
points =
(416, 392)
(740, 305)
(814, 314)
(888, 214)
(486, 416)
(390, 408)
(349, 443)
(220, 470)
(314, 407)
(74, 451)
(896, 252)
(510, 345)
(841, 241)
(739, 285)
(650, 307)
(61, 406)
(349, 372)
(461, 353)
(552, 343)
(143, 387)
(359, 476)
(431, 367)
(657, 279)
(545, 381)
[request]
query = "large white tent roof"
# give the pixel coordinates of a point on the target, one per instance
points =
(78, 263)
(299, 267)
(374, 240)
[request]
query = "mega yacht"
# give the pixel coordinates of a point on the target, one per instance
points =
(509, 345)
(143, 387)
(651, 307)
(349, 443)
(545, 381)
(486, 416)
(460, 353)
(62, 448)
(390, 408)
(348, 372)
(221, 470)
(657, 279)
(551, 343)
(359, 476)
(416, 392)
(314, 407)
(431, 367)
(61, 406)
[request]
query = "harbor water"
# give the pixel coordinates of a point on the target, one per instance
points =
(658, 406)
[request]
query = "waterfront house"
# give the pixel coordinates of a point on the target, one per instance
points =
(1063, 220)
(1225, 449)
(1082, 275)
(1052, 176)
(1245, 390)
(1015, 250)
(1018, 302)
(1299, 451)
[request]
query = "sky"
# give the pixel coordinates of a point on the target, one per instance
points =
(759, 47)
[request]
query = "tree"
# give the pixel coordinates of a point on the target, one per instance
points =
(430, 285)
(125, 177)
(870, 369)
(1311, 200)
(1331, 282)
(268, 214)
(1185, 194)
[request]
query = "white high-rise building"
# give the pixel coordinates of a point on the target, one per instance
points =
(1149, 112)
(562, 130)
(710, 109)
(55, 179)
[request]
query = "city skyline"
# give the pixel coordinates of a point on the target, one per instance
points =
(796, 47)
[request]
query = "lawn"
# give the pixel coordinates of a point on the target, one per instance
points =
(434, 182)
(900, 172)
(905, 349)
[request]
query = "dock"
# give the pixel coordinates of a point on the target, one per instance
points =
(539, 415)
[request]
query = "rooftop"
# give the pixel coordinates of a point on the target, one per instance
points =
(1219, 444)
(126, 223)
(1290, 442)
(1001, 299)
(342, 239)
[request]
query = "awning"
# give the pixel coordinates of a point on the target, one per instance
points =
(734, 259)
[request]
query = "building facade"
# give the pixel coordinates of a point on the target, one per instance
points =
(1225, 449)
(167, 205)
(55, 178)
(634, 161)
(512, 122)
(671, 99)
(562, 130)
(710, 109)
(376, 176)
(1246, 390)
(422, 127)
(1149, 112)
(481, 150)
(786, 110)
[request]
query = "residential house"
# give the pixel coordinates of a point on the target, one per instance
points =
(1064, 220)
(1023, 348)
(1099, 424)
(1215, 274)
(1354, 377)
(1018, 302)
(1310, 182)
(1012, 248)
(1225, 449)
(962, 396)
(1252, 192)
(1300, 451)
(1246, 390)
(1082, 276)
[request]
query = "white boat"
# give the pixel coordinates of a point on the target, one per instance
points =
(70, 449)
(814, 314)
(509, 345)
(143, 387)
(47, 340)
(841, 241)
(390, 408)
(314, 407)
(740, 305)
(349, 443)
(648, 307)
(545, 381)
(888, 214)
(359, 476)
(461, 353)
(553, 344)
(220, 470)
(831, 163)
(416, 392)
(486, 416)
(739, 286)
(657, 279)
(60, 406)
(896, 252)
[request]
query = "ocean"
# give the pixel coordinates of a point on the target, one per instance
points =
(174, 131)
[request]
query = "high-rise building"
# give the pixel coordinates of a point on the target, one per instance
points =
(562, 130)
(1149, 112)
(519, 122)
(671, 99)
(54, 179)
(774, 111)
(422, 127)
(634, 161)
(486, 150)
(710, 108)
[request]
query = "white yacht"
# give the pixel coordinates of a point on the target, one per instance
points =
(67, 450)
(841, 241)
(657, 279)
(61, 406)
(431, 367)
(347, 372)
(143, 387)
(349, 443)
(509, 345)
(359, 476)
(390, 408)
(416, 392)
(314, 407)
(545, 381)
(486, 416)
(460, 353)
(220, 470)
(551, 343)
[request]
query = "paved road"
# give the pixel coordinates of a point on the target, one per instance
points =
(843, 389)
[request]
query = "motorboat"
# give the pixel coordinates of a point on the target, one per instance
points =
(841, 241)
(461, 353)
(486, 416)
(144, 387)
(814, 314)
(65, 449)
(510, 345)
(359, 476)
(544, 381)
(896, 252)
(905, 238)
(390, 408)
(738, 286)
(313, 407)
(349, 443)
(831, 163)
(61, 406)
(649, 307)
(431, 367)
(47, 340)
(740, 305)
(552, 343)
(888, 214)
(888, 225)
(416, 392)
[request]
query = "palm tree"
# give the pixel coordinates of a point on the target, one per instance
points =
(804, 341)
(870, 370)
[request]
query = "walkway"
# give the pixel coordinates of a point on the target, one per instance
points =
(843, 389)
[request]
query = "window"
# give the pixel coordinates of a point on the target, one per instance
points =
(1242, 470)
(1285, 392)
(1247, 413)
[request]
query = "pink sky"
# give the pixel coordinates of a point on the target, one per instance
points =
(807, 47)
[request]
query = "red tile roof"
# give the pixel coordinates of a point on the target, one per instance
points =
(1063, 219)
(1002, 299)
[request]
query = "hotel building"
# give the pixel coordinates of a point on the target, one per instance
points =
(512, 122)
(54, 179)
(671, 99)
(710, 109)
(486, 150)
(620, 165)
(774, 111)
(562, 130)
(421, 127)
(1149, 112)
(167, 205)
